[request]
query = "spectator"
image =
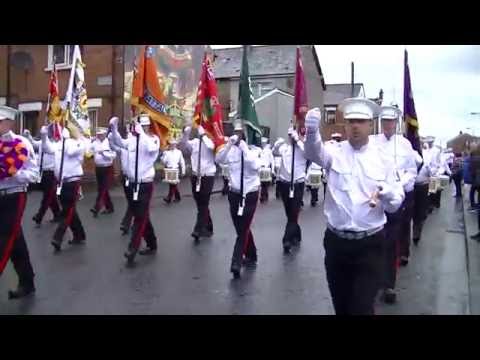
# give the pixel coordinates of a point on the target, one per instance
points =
(474, 172)
(457, 174)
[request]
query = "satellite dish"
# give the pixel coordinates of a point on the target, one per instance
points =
(21, 60)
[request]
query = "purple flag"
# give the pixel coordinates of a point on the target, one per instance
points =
(409, 113)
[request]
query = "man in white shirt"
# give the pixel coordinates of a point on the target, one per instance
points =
(243, 196)
(202, 150)
(122, 154)
(143, 149)
(173, 159)
(267, 162)
(291, 187)
(69, 154)
(103, 156)
(399, 152)
(361, 187)
(48, 184)
(13, 198)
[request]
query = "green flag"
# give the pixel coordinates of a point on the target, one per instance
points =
(246, 105)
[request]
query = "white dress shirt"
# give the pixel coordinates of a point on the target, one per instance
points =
(231, 155)
(103, 155)
(28, 173)
(285, 151)
(266, 157)
(122, 153)
(353, 177)
(74, 153)
(207, 155)
(148, 150)
(48, 161)
(173, 159)
(400, 153)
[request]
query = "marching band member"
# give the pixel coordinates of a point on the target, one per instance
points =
(204, 169)
(13, 198)
(291, 186)
(143, 149)
(361, 187)
(173, 159)
(122, 154)
(243, 196)
(69, 154)
(399, 152)
(315, 169)
(266, 162)
(47, 182)
(103, 157)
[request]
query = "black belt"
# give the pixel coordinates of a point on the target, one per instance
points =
(13, 190)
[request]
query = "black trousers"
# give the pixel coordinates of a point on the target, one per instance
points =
(142, 226)
(173, 192)
(12, 242)
(408, 207)
(292, 210)
(474, 189)
(393, 229)
(421, 201)
(204, 222)
(225, 186)
(264, 191)
(457, 179)
(354, 272)
(104, 180)
(69, 217)
(314, 194)
(244, 243)
(128, 216)
(49, 196)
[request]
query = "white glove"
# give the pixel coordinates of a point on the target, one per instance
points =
(278, 142)
(139, 128)
(293, 134)
(232, 140)
(65, 133)
(243, 146)
(113, 122)
(201, 130)
(312, 120)
(44, 131)
(187, 130)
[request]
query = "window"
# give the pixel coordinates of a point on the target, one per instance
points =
(330, 116)
(62, 54)
(93, 116)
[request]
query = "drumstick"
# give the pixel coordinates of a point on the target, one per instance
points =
(374, 198)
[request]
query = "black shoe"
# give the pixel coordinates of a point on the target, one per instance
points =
(416, 241)
(167, 200)
(56, 245)
(130, 256)
(107, 211)
(250, 261)
(205, 233)
(313, 203)
(77, 241)
(403, 261)
(177, 200)
(56, 219)
(147, 251)
(476, 236)
(21, 291)
(235, 270)
(37, 220)
(286, 248)
(124, 230)
(94, 212)
(195, 235)
(389, 296)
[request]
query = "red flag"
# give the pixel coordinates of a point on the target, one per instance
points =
(300, 106)
(147, 95)
(55, 113)
(208, 111)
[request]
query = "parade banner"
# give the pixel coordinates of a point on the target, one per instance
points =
(208, 112)
(300, 106)
(246, 105)
(77, 120)
(178, 69)
(148, 97)
(410, 115)
(55, 112)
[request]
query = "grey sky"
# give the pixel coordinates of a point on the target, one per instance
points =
(445, 80)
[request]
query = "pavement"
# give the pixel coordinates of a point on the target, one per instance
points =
(188, 278)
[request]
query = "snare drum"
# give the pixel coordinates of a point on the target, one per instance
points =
(225, 171)
(444, 181)
(171, 176)
(314, 180)
(265, 174)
